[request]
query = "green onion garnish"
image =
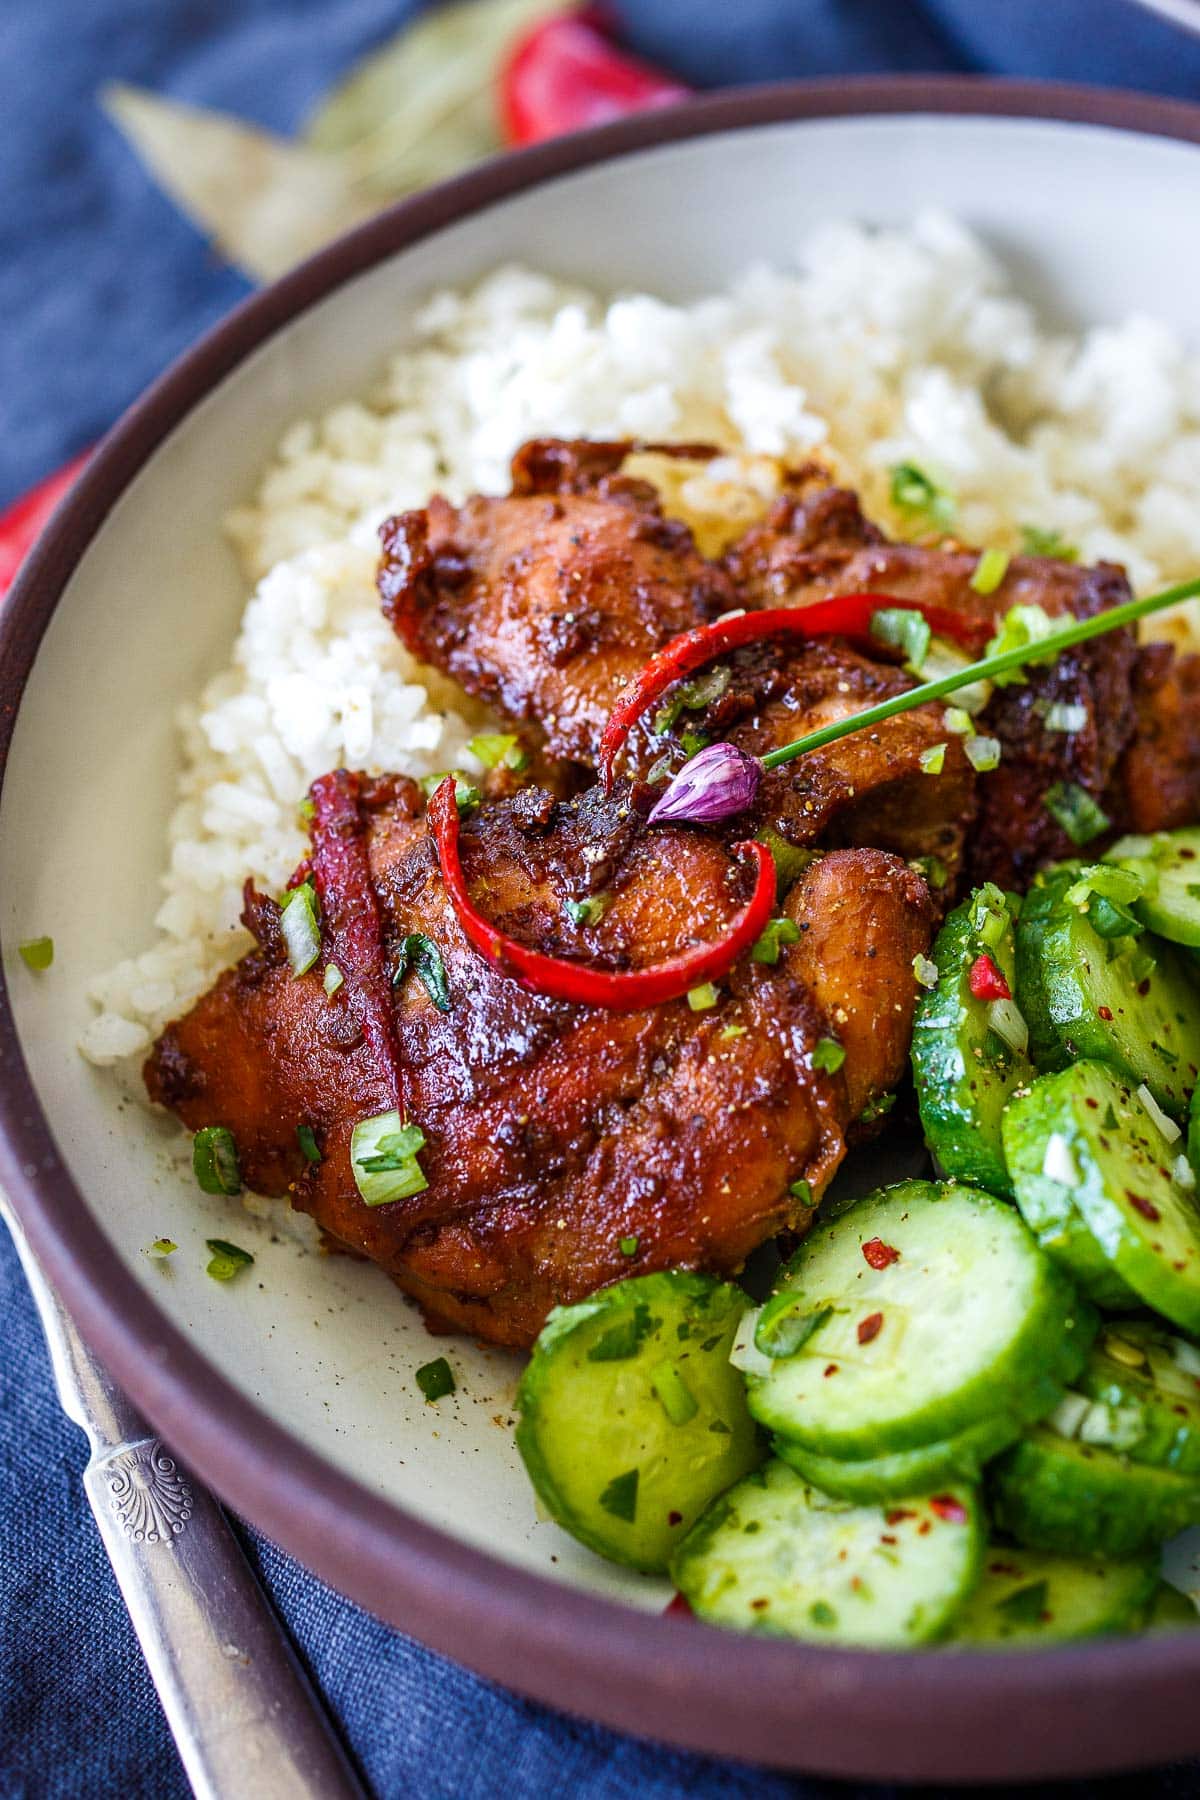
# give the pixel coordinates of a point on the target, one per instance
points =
(301, 930)
(420, 954)
(673, 1394)
(215, 1160)
(1066, 715)
(306, 1137)
(1022, 627)
(933, 759)
(784, 1327)
(877, 1109)
(1072, 807)
(383, 1156)
(629, 1246)
(227, 1260)
(333, 979)
(904, 630)
(499, 750)
(989, 668)
(933, 869)
(586, 912)
(702, 998)
(163, 1247)
(990, 571)
(983, 753)
(1036, 542)
(916, 493)
(435, 1379)
(958, 720)
(466, 794)
(620, 1496)
(776, 934)
(802, 1191)
(925, 971)
(37, 953)
(828, 1055)
(694, 695)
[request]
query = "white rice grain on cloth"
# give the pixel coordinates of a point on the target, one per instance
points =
(876, 348)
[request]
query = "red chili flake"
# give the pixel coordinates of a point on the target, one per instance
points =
(924, 1528)
(831, 1368)
(898, 1513)
(1144, 987)
(986, 981)
(1146, 1207)
(888, 1537)
(856, 1582)
(1105, 1013)
(679, 1608)
(1003, 1568)
(674, 1518)
(759, 1605)
(870, 1327)
(948, 1508)
(878, 1254)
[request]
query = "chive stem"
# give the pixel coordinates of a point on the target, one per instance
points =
(986, 670)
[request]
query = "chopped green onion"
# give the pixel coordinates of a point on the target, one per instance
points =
(877, 1109)
(333, 979)
(790, 860)
(702, 998)
(933, 869)
(829, 1055)
(163, 1247)
(435, 1379)
(673, 1394)
(587, 912)
(916, 493)
(933, 759)
(925, 970)
(983, 753)
(1008, 1022)
(1072, 807)
(227, 1260)
(776, 934)
(383, 1156)
(1107, 880)
(783, 1327)
(728, 1032)
(958, 720)
(1142, 966)
(989, 915)
(1169, 1129)
(904, 630)
(1021, 627)
(1036, 542)
(620, 1496)
(624, 1339)
(466, 794)
(692, 742)
(990, 571)
(629, 1246)
(1066, 715)
(37, 953)
(420, 954)
(306, 1137)
(499, 750)
(301, 930)
(306, 812)
(802, 1191)
(215, 1160)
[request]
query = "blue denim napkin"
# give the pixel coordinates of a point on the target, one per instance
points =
(101, 284)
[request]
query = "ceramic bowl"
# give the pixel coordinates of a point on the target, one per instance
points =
(292, 1393)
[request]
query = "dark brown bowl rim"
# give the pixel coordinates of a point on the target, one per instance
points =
(847, 1713)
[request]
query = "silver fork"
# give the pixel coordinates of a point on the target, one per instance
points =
(245, 1719)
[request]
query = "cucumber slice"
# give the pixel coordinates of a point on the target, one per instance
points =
(964, 1070)
(1084, 1134)
(773, 1555)
(1036, 1597)
(631, 1416)
(921, 1311)
(1056, 1494)
(1193, 1133)
(1139, 1394)
(1169, 865)
(907, 1472)
(1128, 1001)
(1171, 1611)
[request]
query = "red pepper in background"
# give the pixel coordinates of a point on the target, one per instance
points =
(565, 74)
(621, 990)
(846, 615)
(22, 523)
(986, 981)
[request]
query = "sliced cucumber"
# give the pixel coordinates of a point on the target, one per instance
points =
(774, 1555)
(1056, 1494)
(1128, 1001)
(964, 1069)
(1084, 1135)
(1193, 1134)
(918, 1313)
(1171, 1611)
(632, 1418)
(1036, 1597)
(1169, 865)
(1139, 1394)
(907, 1472)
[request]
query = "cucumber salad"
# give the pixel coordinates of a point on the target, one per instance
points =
(968, 1412)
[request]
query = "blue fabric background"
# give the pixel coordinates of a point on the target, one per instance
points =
(101, 284)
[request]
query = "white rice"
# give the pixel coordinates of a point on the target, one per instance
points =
(874, 348)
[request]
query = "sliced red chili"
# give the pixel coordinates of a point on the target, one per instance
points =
(879, 1254)
(986, 980)
(621, 990)
(21, 525)
(564, 74)
(350, 919)
(845, 615)
(948, 1508)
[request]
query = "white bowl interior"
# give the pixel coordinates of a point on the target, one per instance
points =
(1090, 221)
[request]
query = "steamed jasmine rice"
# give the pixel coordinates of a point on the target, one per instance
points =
(873, 349)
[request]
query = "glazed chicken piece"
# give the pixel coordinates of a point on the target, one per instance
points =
(1157, 785)
(553, 1130)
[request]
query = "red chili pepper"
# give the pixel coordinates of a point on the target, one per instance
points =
(621, 990)
(350, 919)
(948, 1508)
(22, 523)
(986, 981)
(845, 615)
(869, 1328)
(878, 1254)
(565, 74)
